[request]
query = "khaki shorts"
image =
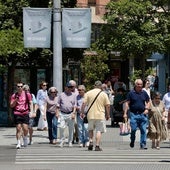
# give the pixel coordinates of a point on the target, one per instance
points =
(98, 125)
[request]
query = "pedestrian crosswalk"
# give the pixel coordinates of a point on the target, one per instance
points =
(75, 155)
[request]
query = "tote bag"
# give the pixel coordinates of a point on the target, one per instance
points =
(124, 128)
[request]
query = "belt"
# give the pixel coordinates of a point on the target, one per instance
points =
(67, 112)
(136, 112)
(51, 112)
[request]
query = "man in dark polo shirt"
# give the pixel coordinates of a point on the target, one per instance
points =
(138, 104)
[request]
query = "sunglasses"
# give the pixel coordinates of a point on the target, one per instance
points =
(44, 85)
(53, 92)
(19, 86)
(80, 89)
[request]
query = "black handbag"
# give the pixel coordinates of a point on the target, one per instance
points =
(85, 120)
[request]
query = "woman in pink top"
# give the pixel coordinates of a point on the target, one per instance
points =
(51, 106)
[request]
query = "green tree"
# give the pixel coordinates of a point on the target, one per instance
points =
(11, 40)
(138, 74)
(94, 66)
(136, 28)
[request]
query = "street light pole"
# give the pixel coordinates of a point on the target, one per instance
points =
(57, 46)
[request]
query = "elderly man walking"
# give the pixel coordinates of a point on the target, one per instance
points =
(138, 103)
(99, 109)
(67, 106)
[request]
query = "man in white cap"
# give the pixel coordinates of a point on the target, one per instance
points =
(98, 112)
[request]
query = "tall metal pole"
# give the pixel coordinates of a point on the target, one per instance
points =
(57, 46)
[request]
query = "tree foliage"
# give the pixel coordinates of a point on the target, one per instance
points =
(11, 13)
(138, 74)
(11, 42)
(136, 28)
(11, 38)
(11, 35)
(94, 66)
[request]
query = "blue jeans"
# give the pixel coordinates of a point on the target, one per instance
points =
(82, 130)
(52, 126)
(138, 121)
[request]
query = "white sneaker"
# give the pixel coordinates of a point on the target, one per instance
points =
(18, 146)
(70, 144)
(87, 144)
(61, 144)
(81, 145)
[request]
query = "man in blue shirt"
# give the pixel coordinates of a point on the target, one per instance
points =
(138, 105)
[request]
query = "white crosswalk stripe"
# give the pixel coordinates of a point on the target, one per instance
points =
(55, 155)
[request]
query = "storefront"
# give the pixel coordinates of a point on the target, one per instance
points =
(33, 77)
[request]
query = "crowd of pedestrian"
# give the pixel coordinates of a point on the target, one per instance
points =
(83, 113)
